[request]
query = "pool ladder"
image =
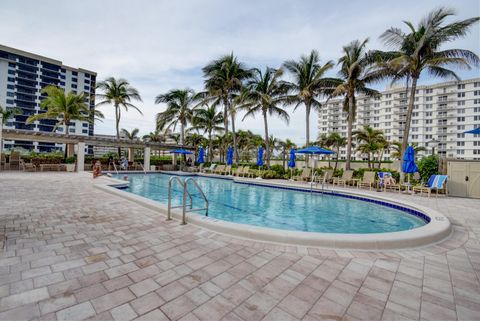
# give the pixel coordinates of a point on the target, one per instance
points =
(184, 185)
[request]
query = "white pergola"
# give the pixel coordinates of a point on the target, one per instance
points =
(81, 141)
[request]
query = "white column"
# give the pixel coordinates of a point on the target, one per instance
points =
(80, 156)
(146, 159)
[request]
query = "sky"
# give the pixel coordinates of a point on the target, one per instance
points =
(162, 45)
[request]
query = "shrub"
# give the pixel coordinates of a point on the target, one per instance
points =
(427, 167)
(70, 160)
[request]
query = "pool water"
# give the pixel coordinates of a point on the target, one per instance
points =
(278, 208)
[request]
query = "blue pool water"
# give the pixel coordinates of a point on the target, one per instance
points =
(279, 208)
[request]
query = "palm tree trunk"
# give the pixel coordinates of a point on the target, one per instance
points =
(284, 156)
(67, 127)
(235, 149)
(380, 159)
(336, 160)
(307, 131)
(267, 142)
(408, 120)
(349, 131)
(210, 150)
(117, 125)
(226, 108)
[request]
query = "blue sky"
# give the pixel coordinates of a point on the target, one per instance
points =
(160, 45)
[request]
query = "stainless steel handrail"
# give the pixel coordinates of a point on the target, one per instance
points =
(115, 167)
(190, 179)
(144, 171)
(182, 184)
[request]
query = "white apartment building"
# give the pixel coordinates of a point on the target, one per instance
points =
(442, 112)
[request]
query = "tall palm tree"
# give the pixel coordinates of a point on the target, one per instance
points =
(65, 108)
(180, 106)
(420, 50)
(224, 81)
(120, 94)
(370, 141)
(130, 135)
(357, 71)
(308, 85)
(210, 121)
(265, 93)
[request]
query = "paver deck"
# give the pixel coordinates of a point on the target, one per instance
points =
(73, 252)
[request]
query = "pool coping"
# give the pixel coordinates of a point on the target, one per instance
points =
(438, 229)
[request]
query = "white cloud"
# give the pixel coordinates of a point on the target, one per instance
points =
(159, 45)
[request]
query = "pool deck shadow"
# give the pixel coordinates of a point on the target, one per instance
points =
(73, 252)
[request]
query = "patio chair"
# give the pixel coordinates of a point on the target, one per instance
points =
(367, 180)
(325, 178)
(210, 169)
(29, 167)
(238, 171)
(346, 178)
(382, 183)
(219, 169)
(245, 172)
(305, 176)
(227, 170)
(15, 160)
(435, 182)
(3, 162)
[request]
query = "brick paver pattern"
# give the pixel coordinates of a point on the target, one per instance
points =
(73, 252)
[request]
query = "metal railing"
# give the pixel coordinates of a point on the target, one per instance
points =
(115, 167)
(186, 193)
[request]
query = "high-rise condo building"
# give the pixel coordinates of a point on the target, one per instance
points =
(23, 75)
(441, 113)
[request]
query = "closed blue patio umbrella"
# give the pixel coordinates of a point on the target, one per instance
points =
(201, 156)
(291, 162)
(230, 156)
(180, 151)
(408, 165)
(260, 157)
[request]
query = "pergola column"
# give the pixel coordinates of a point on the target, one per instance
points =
(146, 159)
(130, 154)
(80, 156)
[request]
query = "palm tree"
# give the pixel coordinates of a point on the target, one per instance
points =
(180, 105)
(357, 72)
(208, 120)
(195, 140)
(153, 137)
(265, 92)
(224, 81)
(5, 115)
(65, 108)
(370, 141)
(337, 141)
(286, 146)
(420, 49)
(396, 148)
(309, 83)
(130, 135)
(120, 94)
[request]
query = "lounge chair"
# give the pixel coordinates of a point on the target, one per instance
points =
(305, 176)
(245, 172)
(367, 180)
(29, 167)
(219, 169)
(325, 178)
(435, 182)
(346, 178)
(227, 170)
(238, 171)
(386, 185)
(210, 169)
(3, 162)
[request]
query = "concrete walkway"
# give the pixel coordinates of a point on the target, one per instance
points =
(72, 252)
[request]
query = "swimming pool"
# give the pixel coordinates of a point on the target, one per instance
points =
(283, 209)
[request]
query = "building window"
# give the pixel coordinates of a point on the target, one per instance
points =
(459, 135)
(461, 103)
(74, 86)
(460, 95)
(461, 86)
(460, 127)
(11, 72)
(460, 143)
(476, 118)
(460, 152)
(84, 131)
(428, 91)
(461, 111)
(428, 98)
(74, 73)
(476, 84)
(388, 95)
(476, 93)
